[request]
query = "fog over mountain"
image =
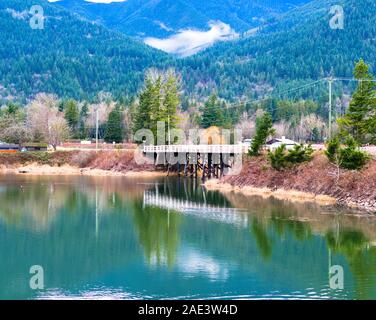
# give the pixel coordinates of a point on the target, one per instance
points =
(181, 27)
(76, 57)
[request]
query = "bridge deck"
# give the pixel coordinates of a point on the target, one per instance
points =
(200, 148)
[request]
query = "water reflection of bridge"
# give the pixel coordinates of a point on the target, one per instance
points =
(202, 210)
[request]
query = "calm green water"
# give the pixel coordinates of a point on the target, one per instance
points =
(129, 239)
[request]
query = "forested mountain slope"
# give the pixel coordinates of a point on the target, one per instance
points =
(298, 46)
(76, 58)
(162, 18)
(69, 57)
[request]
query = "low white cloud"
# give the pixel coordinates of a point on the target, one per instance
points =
(188, 42)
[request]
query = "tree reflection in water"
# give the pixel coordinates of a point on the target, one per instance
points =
(83, 228)
(158, 233)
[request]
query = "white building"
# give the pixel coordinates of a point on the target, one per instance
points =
(247, 143)
(276, 142)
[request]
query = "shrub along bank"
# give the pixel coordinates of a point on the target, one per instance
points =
(319, 176)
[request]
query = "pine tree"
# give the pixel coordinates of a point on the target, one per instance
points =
(72, 115)
(114, 128)
(156, 105)
(212, 114)
(350, 157)
(12, 108)
(83, 116)
(315, 135)
(264, 128)
(171, 101)
(360, 119)
(142, 113)
(159, 101)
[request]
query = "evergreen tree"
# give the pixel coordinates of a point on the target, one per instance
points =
(159, 101)
(271, 107)
(61, 105)
(72, 115)
(83, 116)
(156, 105)
(12, 108)
(350, 157)
(171, 101)
(212, 114)
(360, 119)
(264, 128)
(114, 128)
(315, 135)
(149, 110)
(142, 113)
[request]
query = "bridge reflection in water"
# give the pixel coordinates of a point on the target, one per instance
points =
(189, 248)
(203, 210)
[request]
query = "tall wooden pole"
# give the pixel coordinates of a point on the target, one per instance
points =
(330, 80)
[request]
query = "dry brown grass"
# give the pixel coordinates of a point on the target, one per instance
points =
(119, 161)
(318, 177)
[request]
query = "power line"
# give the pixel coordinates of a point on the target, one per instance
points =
(330, 81)
(354, 80)
(281, 93)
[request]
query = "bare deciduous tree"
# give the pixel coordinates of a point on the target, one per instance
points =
(282, 128)
(187, 121)
(14, 132)
(104, 109)
(247, 125)
(45, 121)
(306, 126)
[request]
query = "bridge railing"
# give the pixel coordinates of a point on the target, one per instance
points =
(200, 148)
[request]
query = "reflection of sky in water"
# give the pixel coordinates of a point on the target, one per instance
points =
(193, 263)
(98, 238)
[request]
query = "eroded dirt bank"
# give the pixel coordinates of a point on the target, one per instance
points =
(115, 163)
(317, 180)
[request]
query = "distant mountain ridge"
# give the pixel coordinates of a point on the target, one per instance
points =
(160, 19)
(298, 46)
(69, 57)
(76, 58)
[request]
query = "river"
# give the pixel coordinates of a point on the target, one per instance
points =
(121, 238)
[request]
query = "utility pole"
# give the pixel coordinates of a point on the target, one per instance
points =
(330, 81)
(96, 129)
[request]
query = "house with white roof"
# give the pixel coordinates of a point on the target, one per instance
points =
(277, 142)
